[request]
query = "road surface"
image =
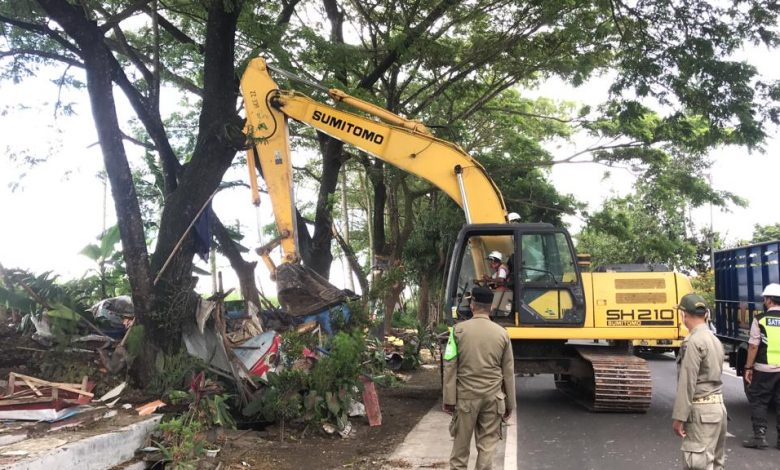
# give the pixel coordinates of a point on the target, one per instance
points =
(555, 433)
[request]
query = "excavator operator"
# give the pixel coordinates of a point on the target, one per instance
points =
(500, 285)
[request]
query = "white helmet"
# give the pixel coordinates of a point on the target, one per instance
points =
(771, 290)
(513, 217)
(496, 255)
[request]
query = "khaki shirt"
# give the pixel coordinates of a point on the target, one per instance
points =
(699, 369)
(484, 365)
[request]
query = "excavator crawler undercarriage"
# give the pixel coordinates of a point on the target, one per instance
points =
(602, 378)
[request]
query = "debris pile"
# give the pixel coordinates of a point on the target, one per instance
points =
(32, 399)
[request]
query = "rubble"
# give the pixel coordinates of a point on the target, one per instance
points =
(33, 399)
(149, 408)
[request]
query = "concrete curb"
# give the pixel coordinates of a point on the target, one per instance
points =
(510, 449)
(428, 445)
(90, 453)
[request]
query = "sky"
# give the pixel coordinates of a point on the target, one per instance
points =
(51, 210)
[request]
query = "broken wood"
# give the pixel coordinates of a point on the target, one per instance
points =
(32, 387)
(80, 389)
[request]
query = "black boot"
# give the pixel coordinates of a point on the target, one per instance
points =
(758, 441)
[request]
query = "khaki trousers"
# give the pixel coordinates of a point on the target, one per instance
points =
(704, 445)
(481, 418)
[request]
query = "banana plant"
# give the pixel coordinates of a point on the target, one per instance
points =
(110, 269)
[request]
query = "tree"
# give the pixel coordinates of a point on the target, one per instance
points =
(77, 36)
(652, 225)
(765, 233)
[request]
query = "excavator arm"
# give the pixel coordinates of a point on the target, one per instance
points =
(403, 143)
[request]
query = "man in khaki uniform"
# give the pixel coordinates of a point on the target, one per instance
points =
(699, 414)
(479, 383)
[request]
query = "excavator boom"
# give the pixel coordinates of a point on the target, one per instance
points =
(403, 143)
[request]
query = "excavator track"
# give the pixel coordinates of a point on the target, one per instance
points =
(619, 382)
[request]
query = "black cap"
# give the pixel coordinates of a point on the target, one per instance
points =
(482, 295)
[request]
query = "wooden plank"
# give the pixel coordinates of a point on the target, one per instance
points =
(62, 386)
(32, 387)
(11, 384)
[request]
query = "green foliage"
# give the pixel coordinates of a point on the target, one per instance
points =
(293, 344)
(321, 394)
(341, 367)
(109, 278)
(182, 441)
(765, 233)
(30, 293)
(704, 284)
(172, 370)
(183, 436)
(653, 225)
(65, 304)
(402, 319)
(281, 397)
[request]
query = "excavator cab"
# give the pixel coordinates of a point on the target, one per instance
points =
(543, 287)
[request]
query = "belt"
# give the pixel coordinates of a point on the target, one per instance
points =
(713, 398)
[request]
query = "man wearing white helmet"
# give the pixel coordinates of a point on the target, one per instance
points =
(513, 218)
(762, 368)
(502, 296)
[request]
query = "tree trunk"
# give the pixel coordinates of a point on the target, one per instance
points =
(345, 223)
(321, 256)
(219, 134)
(245, 270)
(423, 304)
(369, 224)
(353, 264)
(391, 297)
(98, 62)
(379, 245)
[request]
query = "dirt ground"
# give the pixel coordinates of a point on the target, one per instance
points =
(402, 407)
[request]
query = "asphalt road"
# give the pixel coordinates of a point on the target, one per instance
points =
(555, 433)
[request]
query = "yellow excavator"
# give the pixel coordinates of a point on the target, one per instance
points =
(554, 313)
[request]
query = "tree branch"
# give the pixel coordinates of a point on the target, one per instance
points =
(42, 30)
(288, 9)
(124, 14)
(44, 54)
(517, 112)
(171, 29)
(145, 145)
(410, 38)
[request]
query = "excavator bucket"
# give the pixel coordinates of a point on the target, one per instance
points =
(303, 292)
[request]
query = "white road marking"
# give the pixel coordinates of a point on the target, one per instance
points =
(728, 434)
(510, 453)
